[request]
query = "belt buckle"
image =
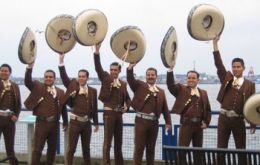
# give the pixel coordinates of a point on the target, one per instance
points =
(50, 119)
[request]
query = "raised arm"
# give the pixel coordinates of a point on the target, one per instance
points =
(221, 70)
(28, 77)
(98, 67)
(133, 83)
(172, 87)
(63, 74)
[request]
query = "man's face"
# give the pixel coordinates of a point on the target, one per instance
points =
(237, 69)
(114, 71)
(151, 77)
(4, 73)
(192, 80)
(82, 78)
(49, 78)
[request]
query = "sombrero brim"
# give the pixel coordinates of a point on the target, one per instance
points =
(90, 27)
(252, 109)
(205, 22)
(119, 42)
(169, 48)
(27, 50)
(59, 35)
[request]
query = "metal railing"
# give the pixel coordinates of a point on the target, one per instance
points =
(208, 156)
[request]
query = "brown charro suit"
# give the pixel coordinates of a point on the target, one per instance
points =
(9, 99)
(146, 130)
(44, 106)
(190, 130)
(231, 99)
(81, 105)
(114, 98)
(193, 110)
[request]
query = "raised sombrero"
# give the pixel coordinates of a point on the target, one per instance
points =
(129, 38)
(252, 109)
(205, 22)
(169, 48)
(90, 27)
(27, 50)
(59, 35)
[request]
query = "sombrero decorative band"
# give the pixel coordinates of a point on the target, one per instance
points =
(169, 48)
(90, 27)
(205, 22)
(128, 43)
(59, 35)
(252, 109)
(27, 50)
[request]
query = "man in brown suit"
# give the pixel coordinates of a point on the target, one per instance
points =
(83, 100)
(114, 95)
(10, 107)
(234, 92)
(45, 101)
(192, 104)
(149, 102)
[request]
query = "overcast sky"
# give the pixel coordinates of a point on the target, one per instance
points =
(240, 38)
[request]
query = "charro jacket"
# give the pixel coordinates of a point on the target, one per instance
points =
(182, 93)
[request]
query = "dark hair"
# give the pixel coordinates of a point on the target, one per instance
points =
(116, 64)
(193, 71)
(52, 71)
(151, 68)
(85, 71)
(8, 66)
(238, 60)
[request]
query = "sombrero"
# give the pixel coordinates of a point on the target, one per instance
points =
(205, 22)
(27, 50)
(90, 27)
(129, 38)
(252, 109)
(169, 48)
(59, 35)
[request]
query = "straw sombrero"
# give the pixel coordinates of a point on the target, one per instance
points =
(131, 38)
(252, 109)
(27, 50)
(169, 48)
(205, 22)
(59, 35)
(90, 27)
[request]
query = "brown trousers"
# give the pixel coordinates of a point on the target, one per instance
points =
(7, 127)
(76, 129)
(113, 127)
(191, 132)
(45, 131)
(226, 125)
(146, 132)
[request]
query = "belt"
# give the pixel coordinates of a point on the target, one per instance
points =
(146, 116)
(117, 109)
(79, 118)
(47, 119)
(195, 119)
(229, 113)
(6, 113)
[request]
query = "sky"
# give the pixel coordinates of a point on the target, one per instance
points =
(240, 37)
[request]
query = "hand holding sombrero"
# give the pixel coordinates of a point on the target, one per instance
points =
(128, 44)
(27, 50)
(205, 21)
